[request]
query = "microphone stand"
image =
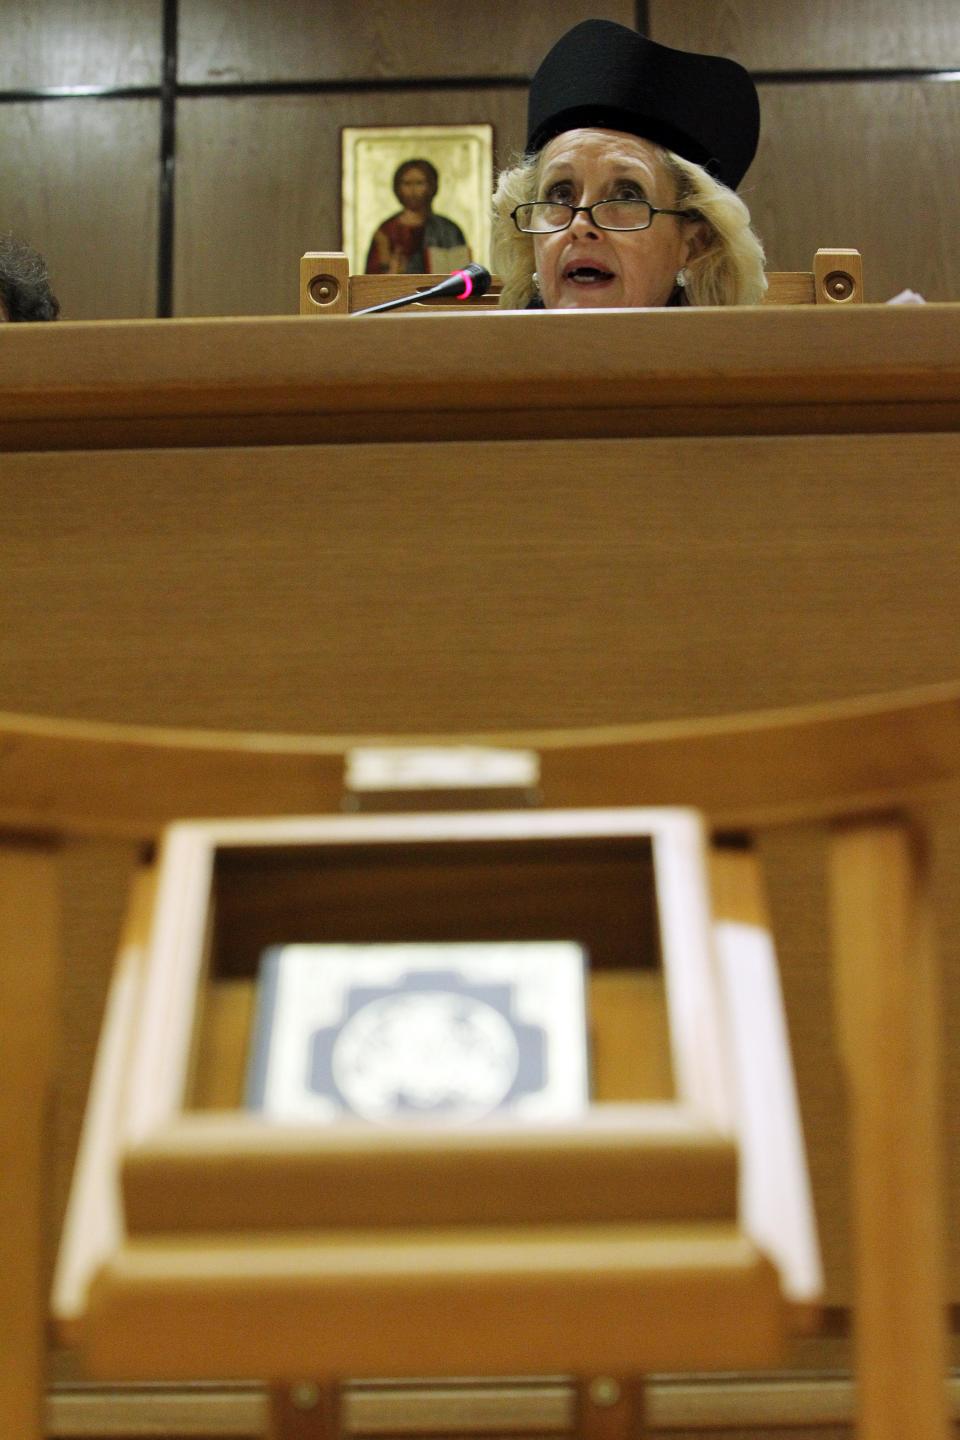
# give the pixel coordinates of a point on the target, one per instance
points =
(473, 279)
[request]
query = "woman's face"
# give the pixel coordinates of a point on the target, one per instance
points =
(414, 189)
(586, 266)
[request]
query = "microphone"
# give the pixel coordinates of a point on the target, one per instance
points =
(473, 279)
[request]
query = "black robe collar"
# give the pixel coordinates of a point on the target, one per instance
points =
(677, 298)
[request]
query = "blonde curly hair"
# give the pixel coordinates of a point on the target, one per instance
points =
(727, 271)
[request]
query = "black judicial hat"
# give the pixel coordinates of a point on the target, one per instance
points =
(703, 107)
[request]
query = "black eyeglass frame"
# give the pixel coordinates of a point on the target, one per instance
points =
(576, 210)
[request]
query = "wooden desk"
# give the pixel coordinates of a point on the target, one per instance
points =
(439, 523)
(447, 522)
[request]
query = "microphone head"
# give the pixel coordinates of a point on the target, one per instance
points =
(475, 280)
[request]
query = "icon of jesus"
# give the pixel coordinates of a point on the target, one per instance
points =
(415, 241)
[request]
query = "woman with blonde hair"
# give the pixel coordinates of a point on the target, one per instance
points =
(625, 195)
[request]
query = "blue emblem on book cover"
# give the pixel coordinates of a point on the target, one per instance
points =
(397, 1036)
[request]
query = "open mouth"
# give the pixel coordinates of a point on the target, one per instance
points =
(583, 274)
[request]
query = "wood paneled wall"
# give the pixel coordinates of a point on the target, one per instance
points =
(234, 186)
(80, 42)
(781, 35)
(855, 150)
(252, 156)
(246, 40)
(78, 180)
(857, 145)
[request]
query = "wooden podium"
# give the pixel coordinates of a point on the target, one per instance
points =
(452, 524)
(664, 1227)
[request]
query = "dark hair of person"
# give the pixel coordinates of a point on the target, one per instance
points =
(429, 170)
(25, 292)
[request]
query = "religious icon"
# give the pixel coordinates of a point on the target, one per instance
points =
(416, 199)
(416, 241)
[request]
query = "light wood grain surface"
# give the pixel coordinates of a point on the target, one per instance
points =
(327, 288)
(849, 757)
(739, 557)
(94, 879)
(901, 537)
(29, 953)
(802, 369)
(591, 1299)
(889, 1007)
(225, 1172)
(696, 519)
(94, 1220)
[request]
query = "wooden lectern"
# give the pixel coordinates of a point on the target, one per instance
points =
(457, 526)
(609, 1244)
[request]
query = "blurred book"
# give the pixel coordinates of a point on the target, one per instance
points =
(448, 1032)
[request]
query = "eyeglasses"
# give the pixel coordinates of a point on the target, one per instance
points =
(545, 217)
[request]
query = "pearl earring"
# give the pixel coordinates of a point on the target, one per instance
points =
(681, 278)
(536, 281)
